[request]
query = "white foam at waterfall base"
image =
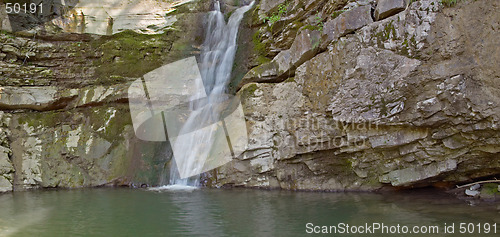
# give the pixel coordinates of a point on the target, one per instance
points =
(217, 60)
(173, 188)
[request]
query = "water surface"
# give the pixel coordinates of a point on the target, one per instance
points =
(237, 212)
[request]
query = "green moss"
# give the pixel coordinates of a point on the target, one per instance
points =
(348, 164)
(315, 43)
(335, 14)
(449, 3)
(388, 30)
(113, 125)
(228, 15)
(309, 27)
(317, 25)
(383, 107)
(405, 43)
(249, 91)
(121, 162)
(42, 119)
(261, 60)
(413, 42)
(386, 34)
(255, 17)
(260, 48)
(372, 181)
(490, 189)
(129, 54)
(405, 49)
(314, 27)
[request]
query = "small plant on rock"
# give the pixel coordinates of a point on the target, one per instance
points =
(335, 14)
(317, 24)
(276, 16)
(449, 3)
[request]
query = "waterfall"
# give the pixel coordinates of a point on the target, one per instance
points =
(217, 58)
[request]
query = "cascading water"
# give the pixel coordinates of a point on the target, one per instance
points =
(217, 58)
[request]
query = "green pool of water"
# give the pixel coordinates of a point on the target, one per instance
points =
(238, 212)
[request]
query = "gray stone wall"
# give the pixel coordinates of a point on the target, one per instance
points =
(408, 99)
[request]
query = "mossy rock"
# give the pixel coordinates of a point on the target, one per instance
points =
(129, 54)
(490, 189)
(249, 91)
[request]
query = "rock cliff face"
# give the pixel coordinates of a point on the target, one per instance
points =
(65, 120)
(409, 100)
(338, 95)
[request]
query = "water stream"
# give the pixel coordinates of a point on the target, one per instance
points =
(217, 58)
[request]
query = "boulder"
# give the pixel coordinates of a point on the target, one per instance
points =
(267, 6)
(5, 185)
(475, 187)
(408, 176)
(472, 193)
(9, 49)
(304, 47)
(37, 98)
(387, 8)
(348, 22)
(44, 98)
(267, 72)
(6, 168)
(5, 164)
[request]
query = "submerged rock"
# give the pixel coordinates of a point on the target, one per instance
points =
(475, 187)
(472, 193)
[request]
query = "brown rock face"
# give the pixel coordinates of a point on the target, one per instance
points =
(407, 101)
